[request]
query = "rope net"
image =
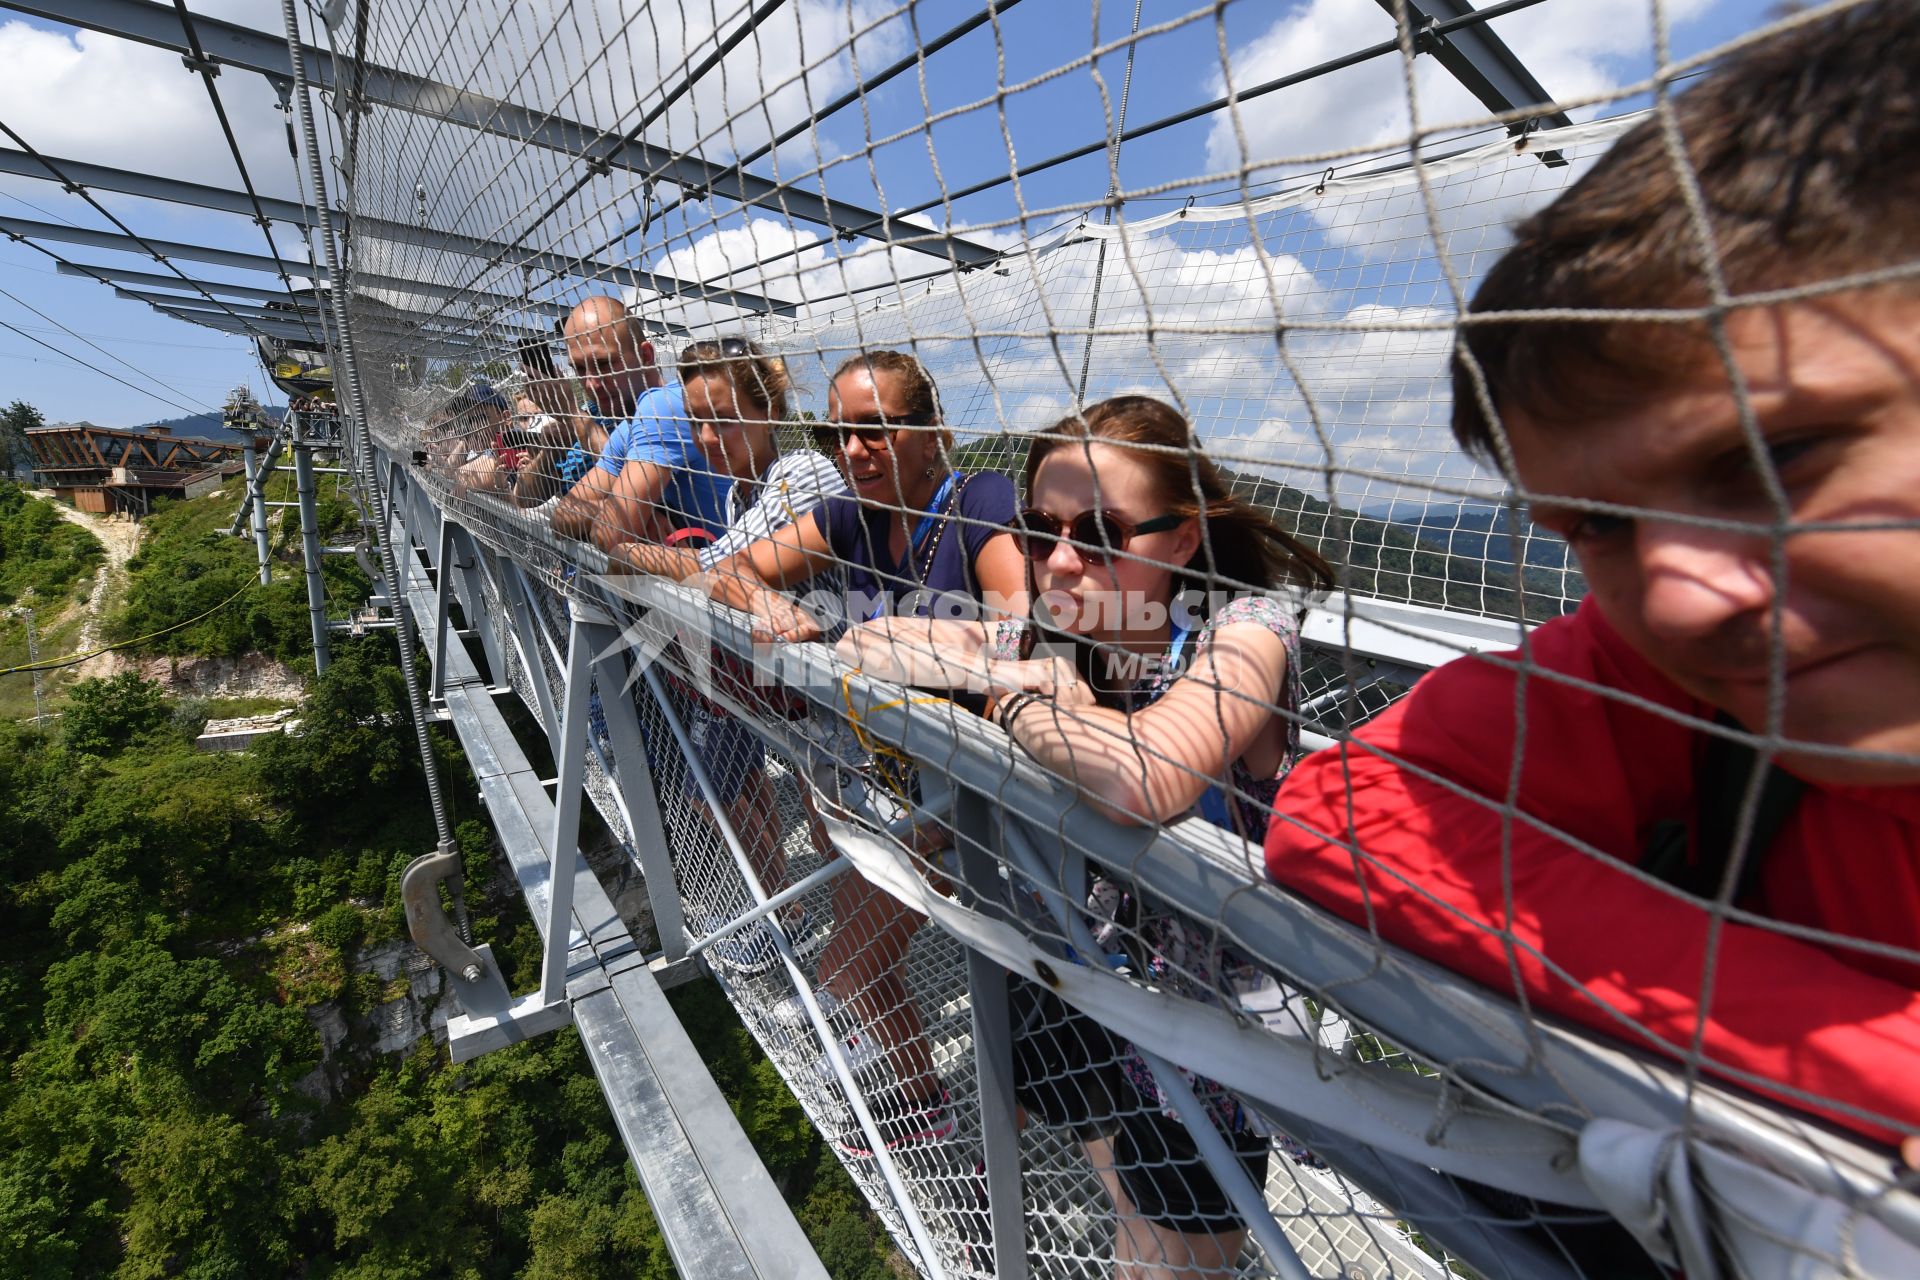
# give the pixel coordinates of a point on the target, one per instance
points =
(1280, 985)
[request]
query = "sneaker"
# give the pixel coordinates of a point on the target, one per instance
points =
(791, 1013)
(865, 1059)
(804, 935)
(751, 950)
(902, 1122)
(747, 951)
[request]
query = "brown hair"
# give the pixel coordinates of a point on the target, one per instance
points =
(916, 387)
(1805, 150)
(758, 378)
(1242, 543)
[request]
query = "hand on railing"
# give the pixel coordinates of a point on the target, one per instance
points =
(775, 617)
(941, 653)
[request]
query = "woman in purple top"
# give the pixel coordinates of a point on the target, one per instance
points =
(916, 538)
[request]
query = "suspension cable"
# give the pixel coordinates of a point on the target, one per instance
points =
(204, 408)
(353, 407)
(1113, 192)
(68, 355)
(1380, 50)
(204, 65)
(81, 191)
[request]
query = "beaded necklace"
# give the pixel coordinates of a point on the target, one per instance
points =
(949, 493)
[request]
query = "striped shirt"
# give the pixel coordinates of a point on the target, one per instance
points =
(794, 485)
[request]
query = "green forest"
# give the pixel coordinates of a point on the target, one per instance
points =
(175, 924)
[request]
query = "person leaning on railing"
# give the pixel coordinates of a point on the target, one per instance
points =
(562, 441)
(1753, 582)
(483, 461)
(650, 478)
(1158, 673)
(912, 534)
(735, 394)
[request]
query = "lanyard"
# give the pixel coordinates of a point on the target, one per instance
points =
(929, 522)
(924, 529)
(1179, 642)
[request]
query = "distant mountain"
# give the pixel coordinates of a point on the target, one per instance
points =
(1486, 532)
(204, 426)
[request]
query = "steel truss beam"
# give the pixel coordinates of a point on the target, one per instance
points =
(154, 280)
(28, 229)
(99, 177)
(237, 46)
(361, 280)
(717, 1207)
(397, 324)
(1481, 61)
(291, 331)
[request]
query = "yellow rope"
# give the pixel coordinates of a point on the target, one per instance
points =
(898, 781)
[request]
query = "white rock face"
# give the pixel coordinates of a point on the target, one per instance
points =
(393, 1026)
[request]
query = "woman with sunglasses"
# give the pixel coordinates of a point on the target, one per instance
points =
(915, 538)
(1158, 673)
(1162, 711)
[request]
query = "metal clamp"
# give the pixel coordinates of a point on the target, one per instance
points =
(472, 969)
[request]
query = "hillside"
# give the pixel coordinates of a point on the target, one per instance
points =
(52, 566)
(206, 426)
(201, 957)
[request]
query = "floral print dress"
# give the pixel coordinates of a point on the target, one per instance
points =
(1166, 950)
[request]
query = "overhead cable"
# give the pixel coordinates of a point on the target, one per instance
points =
(96, 346)
(68, 355)
(204, 65)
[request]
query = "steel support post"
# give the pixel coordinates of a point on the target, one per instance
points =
(310, 545)
(256, 491)
(563, 849)
(802, 988)
(442, 595)
(993, 1044)
(250, 456)
(633, 780)
(514, 598)
(1248, 1199)
(468, 575)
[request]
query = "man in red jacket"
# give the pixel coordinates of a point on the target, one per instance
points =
(1739, 476)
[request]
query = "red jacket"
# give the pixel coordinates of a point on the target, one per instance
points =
(1836, 1022)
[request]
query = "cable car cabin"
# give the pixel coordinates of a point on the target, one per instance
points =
(298, 370)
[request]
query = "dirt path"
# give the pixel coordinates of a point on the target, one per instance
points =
(121, 538)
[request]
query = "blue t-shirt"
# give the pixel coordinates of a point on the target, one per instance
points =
(575, 464)
(936, 579)
(660, 432)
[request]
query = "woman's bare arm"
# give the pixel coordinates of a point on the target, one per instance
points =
(1152, 765)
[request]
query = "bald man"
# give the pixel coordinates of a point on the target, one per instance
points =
(652, 477)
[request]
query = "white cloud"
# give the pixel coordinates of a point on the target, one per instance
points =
(105, 100)
(1573, 49)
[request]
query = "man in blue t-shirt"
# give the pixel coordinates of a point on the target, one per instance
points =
(652, 477)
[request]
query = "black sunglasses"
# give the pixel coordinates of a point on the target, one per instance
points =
(874, 435)
(716, 349)
(1096, 535)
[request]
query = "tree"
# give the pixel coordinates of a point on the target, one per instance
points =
(15, 421)
(354, 740)
(106, 716)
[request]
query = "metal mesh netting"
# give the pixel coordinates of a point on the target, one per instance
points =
(937, 854)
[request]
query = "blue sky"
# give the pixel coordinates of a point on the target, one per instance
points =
(96, 98)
